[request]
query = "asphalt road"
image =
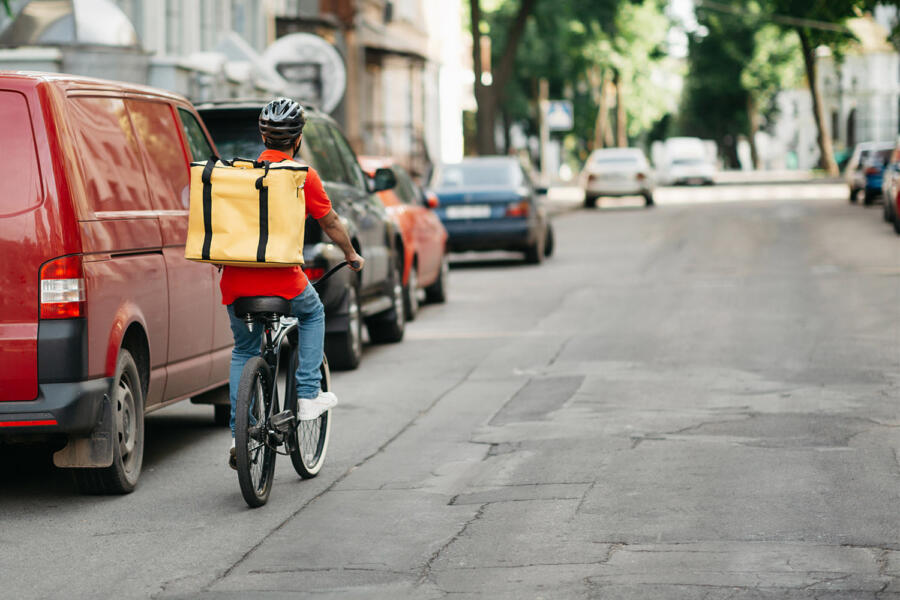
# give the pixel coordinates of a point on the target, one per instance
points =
(695, 401)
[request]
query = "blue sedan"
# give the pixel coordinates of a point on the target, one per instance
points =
(490, 203)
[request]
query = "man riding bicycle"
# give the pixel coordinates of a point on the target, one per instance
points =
(281, 126)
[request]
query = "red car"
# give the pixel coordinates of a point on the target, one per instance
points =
(424, 251)
(101, 318)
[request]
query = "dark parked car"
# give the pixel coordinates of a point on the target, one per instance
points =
(374, 296)
(490, 203)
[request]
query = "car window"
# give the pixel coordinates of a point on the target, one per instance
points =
(197, 142)
(326, 158)
(406, 189)
(236, 133)
(157, 133)
(478, 174)
(108, 153)
(354, 172)
(20, 178)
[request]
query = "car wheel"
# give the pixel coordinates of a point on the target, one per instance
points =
(411, 293)
(535, 253)
(868, 198)
(344, 348)
(437, 291)
(549, 241)
(854, 193)
(896, 222)
(388, 328)
(127, 397)
(648, 199)
(590, 201)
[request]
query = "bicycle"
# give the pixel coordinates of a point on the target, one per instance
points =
(261, 429)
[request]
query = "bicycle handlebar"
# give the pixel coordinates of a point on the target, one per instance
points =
(334, 270)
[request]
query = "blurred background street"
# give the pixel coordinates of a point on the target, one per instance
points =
(629, 324)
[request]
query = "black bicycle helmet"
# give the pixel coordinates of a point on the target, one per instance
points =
(281, 121)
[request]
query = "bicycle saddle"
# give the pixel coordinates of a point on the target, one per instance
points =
(261, 304)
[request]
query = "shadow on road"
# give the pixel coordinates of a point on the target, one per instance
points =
(27, 470)
(510, 261)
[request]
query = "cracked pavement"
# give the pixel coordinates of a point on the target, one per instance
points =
(694, 402)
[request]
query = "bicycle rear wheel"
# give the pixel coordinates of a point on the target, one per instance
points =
(255, 456)
(309, 443)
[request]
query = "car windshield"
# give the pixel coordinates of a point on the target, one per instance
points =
(234, 137)
(877, 158)
(478, 174)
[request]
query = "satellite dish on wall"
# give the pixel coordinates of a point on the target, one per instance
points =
(313, 68)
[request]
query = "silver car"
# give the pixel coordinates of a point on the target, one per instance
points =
(617, 172)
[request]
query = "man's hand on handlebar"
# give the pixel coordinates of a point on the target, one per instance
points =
(355, 261)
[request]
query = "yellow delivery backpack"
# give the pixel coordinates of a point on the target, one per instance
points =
(247, 213)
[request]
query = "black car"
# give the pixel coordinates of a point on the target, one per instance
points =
(373, 296)
(490, 203)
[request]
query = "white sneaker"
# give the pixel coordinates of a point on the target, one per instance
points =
(311, 408)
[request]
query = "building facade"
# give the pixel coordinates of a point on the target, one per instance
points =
(393, 66)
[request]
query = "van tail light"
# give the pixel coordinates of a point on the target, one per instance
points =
(518, 209)
(314, 273)
(873, 171)
(62, 288)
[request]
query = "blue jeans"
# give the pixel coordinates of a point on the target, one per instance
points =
(309, 310)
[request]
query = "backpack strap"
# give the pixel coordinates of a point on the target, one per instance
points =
(207, 206)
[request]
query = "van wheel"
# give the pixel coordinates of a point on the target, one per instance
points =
(344, 349)
(388, 328)
(411, 294)
(127, 397)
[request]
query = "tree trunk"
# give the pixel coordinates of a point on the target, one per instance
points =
(507, 126)
(753, 120)
(621, 132)
(488, 98)
(826, 159)
(602, 122)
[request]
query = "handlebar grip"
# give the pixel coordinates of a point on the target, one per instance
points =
(355, 264)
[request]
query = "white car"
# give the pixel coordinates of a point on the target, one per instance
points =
(617, 172)
(690, 170)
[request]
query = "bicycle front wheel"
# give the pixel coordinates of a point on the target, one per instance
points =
(310, 441)
(255, 456)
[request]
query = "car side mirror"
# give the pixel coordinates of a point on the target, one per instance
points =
(384, 179)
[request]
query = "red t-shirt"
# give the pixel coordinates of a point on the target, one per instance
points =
(287, 282)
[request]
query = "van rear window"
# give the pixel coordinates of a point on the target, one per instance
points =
(20, 177)
(109, 156)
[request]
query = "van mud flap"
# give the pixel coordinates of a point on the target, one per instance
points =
(94, 450)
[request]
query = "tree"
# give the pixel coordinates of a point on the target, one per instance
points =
(488, 97)
(7, 7)
(819, 23)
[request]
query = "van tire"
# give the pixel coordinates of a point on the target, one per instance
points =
(127, 427)
(411, 293)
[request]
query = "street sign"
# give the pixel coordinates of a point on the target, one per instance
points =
(559, 115)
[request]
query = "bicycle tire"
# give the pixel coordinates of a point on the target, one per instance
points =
(255, 455)
(309, 441)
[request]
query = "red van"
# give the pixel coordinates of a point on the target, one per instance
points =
(101, 317)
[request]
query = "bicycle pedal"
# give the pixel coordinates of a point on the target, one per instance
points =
(283, 421)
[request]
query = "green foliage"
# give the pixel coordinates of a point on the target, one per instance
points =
(568, 39)
(6, 7)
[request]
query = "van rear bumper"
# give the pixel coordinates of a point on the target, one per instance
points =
(59, 408)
